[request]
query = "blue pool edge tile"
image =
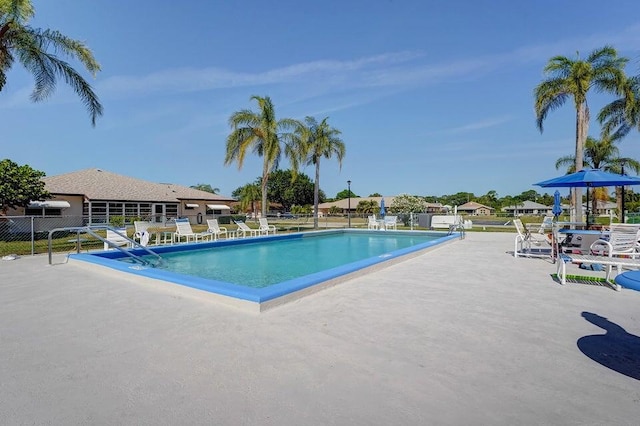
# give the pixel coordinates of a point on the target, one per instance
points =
(256, 295)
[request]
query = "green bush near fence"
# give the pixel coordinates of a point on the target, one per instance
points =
(226, 220)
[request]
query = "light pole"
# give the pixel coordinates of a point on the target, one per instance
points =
(349, 203)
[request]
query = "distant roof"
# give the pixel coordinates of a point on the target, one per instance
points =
(527, 205)
(472, 205)
(98, 184)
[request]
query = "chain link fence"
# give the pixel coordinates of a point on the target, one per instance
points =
(28, 235)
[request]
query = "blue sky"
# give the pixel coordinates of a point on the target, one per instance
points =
(432, 98)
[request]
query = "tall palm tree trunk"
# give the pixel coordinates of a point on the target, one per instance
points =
(582, 128)
(316, 196)
(265, 179)
(619, 202)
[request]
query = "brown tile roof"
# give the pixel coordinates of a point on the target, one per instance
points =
(98, 184)
(472, 205)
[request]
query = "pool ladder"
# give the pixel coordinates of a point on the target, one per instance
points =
(457, 227)
(91, 230)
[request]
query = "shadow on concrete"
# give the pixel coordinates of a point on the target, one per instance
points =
(616, 349)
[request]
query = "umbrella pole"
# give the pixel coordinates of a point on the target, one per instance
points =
(622, 205)
(587, 207)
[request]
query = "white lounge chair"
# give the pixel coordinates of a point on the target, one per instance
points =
(244, 229)
(117, 237)
(546, 229)
(620, 240)
(390, 222)
(183, 230)
(216, 230)
(618, 248)
(589, 259)
(372, 223)
(141, 232)
(529, 244)
(265, 228)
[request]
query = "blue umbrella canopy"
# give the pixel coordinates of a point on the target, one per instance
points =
(589, 178)
(557, 208)
(382, 210)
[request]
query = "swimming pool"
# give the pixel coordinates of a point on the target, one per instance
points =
(265, 269)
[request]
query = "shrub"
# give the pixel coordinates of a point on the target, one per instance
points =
(117, 221)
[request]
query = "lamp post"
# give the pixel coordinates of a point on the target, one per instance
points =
(349, 203)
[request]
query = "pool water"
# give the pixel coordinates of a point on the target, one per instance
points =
(267, 271)
(264, 263)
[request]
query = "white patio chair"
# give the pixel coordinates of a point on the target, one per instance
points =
(244, 229)
(372, 223)
(265, 228)
(546, 229)
(216, 230)
(621, 240)
(117, 237)
(141, 232)
(183, 230)
(390, 222)
(529, 244)
(617, 249)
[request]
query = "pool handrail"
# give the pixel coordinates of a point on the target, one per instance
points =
(91, 231)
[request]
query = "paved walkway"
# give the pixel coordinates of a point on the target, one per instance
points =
(465, 334)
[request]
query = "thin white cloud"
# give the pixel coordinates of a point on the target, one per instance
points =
(190, 79)
(394, 71)
(478, 125)
(385, 70)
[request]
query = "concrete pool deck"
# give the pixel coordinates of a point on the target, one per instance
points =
(463, 334)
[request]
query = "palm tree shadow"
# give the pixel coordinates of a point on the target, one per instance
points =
(616, 349)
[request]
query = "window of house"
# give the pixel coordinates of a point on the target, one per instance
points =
(171, 210)
(145, 211)
(98, 212)
(131, 210)
(115, 209)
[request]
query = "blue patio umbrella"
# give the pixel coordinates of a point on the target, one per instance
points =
(382, 210)
(589, 178)
(557, 208)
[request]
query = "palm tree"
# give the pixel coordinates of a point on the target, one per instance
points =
(36, 49)
(567, 78)
(263, 134)
(317, 141)
(623, 114)
(248, 194)
(367, 206)
(601, 154)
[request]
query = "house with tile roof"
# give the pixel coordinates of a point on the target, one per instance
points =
(528, 208)
(475, 209)
(97, 195)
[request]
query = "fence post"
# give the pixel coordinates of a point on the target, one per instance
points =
(33, 237)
